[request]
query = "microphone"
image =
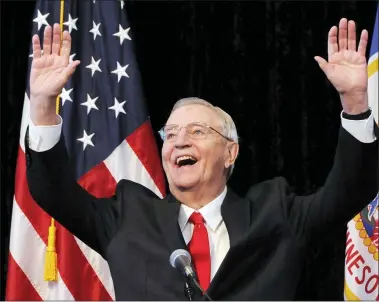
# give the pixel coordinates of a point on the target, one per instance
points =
(181, 259)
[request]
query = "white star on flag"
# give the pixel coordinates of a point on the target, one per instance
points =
(95, 30)
(90, 103)
(65, 95)
(86, 140)
(118, 107)
(122, 34)
(72, 57)
(94, 66)
(120, 71)
(71, 23)
(41, 19)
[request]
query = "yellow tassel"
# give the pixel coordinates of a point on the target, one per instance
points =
(51, 271)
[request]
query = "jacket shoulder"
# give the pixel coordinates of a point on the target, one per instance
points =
(130, 191)
(275, 187)
(272, 198)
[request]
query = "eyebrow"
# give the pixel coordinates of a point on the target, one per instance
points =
(194, 122)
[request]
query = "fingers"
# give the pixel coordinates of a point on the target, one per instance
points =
(363, 43)
(351, 36)
(47, 40)
(36, 44)
(56, 39)
(332, 41)
(347, 38)
(52, 45)
(342, 34)
(53, 42)
(66, 44)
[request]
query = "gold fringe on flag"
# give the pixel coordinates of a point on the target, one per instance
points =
(51, 257)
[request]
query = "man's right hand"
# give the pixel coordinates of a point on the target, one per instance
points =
(49, 73)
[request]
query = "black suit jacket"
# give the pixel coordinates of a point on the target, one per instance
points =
(269, 229)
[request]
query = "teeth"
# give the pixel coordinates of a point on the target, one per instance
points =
(184, 158)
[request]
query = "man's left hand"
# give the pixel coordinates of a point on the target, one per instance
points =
(346, 67)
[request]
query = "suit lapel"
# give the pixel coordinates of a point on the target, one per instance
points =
(167, 213)
(236, 215)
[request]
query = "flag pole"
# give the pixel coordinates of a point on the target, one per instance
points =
(50, 270)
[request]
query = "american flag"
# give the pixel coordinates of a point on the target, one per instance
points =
(108, 137)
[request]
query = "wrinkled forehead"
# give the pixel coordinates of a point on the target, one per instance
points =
(194, 113)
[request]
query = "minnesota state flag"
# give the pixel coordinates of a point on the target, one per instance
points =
(362, 250)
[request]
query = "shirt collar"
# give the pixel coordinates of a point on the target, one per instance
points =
(210, 212)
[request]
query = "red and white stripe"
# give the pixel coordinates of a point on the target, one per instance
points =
(83, 273)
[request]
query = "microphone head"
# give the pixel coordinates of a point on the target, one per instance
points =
(180, 258)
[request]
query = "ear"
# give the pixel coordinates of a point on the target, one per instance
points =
(232, 150)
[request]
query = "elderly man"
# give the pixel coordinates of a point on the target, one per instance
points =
(250, 248)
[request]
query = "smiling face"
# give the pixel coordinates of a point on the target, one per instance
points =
(192, 163)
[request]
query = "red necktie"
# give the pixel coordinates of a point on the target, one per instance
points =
(199, 250)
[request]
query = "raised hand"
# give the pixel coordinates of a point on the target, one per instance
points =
(49, 73)
(346, 67)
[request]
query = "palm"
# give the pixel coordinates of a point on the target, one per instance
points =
(346, 67)
(51, 68)
(47, 75)
(348, 71)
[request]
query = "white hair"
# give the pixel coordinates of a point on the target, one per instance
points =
(227, 123)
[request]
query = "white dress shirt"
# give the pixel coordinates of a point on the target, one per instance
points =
(42, 138)
(217, 233)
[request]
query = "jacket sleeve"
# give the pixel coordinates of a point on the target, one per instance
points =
(350, 186)
(53, 187)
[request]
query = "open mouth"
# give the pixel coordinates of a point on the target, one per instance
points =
(185, 161)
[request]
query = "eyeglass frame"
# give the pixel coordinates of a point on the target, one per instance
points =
(162, 135)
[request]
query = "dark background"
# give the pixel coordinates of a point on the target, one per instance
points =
(253, 59)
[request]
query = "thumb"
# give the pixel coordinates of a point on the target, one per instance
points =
(322, 63)
(70, 68)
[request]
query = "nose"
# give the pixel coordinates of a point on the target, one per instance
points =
(182, 140)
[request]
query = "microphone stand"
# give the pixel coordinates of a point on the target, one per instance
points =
(197, 285)
(188, 291)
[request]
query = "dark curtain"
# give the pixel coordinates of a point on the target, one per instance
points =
(253, 59)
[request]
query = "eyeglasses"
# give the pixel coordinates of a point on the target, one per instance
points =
(195, 130)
